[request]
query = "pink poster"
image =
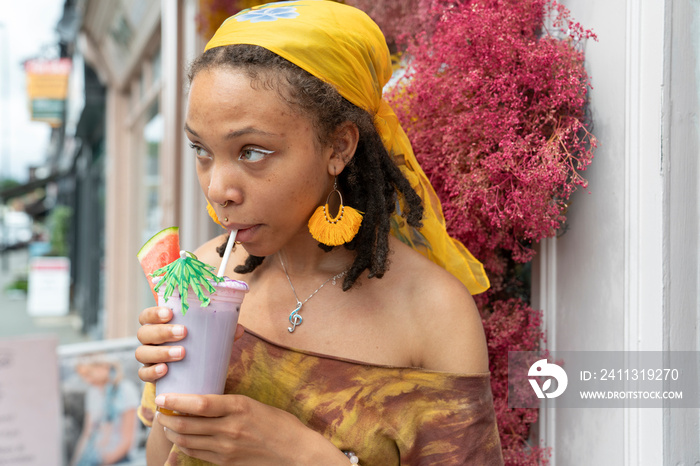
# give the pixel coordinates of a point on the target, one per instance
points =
(30, 417)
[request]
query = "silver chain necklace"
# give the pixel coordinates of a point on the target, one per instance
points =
(294, 318)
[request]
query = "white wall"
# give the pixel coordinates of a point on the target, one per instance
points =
(581, 290)
(625, 274)
(681, 148)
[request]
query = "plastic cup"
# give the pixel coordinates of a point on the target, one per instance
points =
(210, 333)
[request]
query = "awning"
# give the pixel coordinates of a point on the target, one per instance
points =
(30, 186)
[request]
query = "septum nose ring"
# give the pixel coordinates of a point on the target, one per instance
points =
(224, 204)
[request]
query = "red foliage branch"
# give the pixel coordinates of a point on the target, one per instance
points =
(512, 326)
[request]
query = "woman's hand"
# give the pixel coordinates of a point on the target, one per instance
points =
(235, 429)
(155, 331)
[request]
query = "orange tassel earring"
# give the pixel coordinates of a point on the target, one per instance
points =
(212, 213)
(334, 231)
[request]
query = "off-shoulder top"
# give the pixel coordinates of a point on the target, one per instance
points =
(386, 415)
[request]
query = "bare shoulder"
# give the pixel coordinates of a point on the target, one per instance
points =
(207, 253)
(443, 316)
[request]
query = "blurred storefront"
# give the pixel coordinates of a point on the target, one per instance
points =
(117, 168)
(139, 51)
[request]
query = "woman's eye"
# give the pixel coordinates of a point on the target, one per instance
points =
(199, 150)
(254, 154)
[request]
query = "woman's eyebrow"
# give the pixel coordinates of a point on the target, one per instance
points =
(247, 130)
(234, 134)
(190, 130)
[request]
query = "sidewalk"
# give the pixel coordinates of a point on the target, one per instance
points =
(14, 320)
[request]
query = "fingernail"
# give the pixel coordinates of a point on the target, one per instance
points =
(163, 313)
(160, 400)
(160, 369)
(175, 352)
(178, 330)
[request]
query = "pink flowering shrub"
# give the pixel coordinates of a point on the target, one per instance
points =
(399, 20)
(512, 326)
(495, 109)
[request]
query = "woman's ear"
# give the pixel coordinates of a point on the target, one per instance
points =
(345, 141)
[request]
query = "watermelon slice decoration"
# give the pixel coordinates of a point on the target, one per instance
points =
(159, 251)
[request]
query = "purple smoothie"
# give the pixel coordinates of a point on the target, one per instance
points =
(210, 332)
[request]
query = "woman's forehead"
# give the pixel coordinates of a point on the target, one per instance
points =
(231, 85)
(222, 93)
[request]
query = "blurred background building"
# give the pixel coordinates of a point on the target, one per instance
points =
(137, 52)
(114, 172)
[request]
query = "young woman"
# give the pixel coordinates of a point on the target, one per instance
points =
(353, 346)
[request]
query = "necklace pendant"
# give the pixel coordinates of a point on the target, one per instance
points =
(294, 318)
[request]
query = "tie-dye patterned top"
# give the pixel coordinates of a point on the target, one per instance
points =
(386, 415)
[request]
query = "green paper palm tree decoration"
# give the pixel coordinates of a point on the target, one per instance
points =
(185, 273)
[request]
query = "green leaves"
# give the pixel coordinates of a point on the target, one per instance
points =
(184, 274)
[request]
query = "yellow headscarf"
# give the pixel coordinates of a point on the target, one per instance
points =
(342, 46)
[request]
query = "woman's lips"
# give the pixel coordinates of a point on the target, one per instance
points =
(245, 232)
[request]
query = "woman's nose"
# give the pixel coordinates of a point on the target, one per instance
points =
(223, 186)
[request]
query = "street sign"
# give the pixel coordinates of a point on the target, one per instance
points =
(49, 286)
